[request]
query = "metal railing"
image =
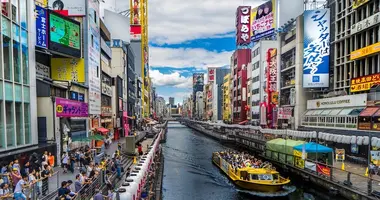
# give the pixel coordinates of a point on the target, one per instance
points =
(88, 191)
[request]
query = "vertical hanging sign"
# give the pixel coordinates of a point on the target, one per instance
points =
(41, 27)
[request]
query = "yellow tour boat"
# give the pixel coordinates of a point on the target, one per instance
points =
(263, 179)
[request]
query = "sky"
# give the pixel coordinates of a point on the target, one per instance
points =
(187, 37)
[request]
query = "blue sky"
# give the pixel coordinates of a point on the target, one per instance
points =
(187, 37)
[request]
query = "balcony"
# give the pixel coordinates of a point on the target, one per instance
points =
(289, 64)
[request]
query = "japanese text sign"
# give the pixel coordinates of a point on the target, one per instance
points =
(41, 27)
(243, 26)
(358, 3)
(272, 70)
(316, 53)
(365, 51)
(364, 83)
(70, 108)
(263, 20)
(211, 74)
(365, 23)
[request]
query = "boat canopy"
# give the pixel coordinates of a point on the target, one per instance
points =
(313, 147)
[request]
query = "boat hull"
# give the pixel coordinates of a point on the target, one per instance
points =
(251, 186)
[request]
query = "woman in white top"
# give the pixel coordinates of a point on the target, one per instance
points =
(65, 162)
(45, 159)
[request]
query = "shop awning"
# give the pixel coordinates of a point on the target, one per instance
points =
(326, 112)
(102, 130)
(317, 112)
(334, 112)
(351, 111)
(377, 114)
(309, 112)
(368, 112)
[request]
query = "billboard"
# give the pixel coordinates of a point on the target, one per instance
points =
(41, 27)
(70, 8)
(263, 20)
(243, 28)
(135, 32)
(316, 53)
(68, 69)
(135, 13)
(198, 79)
(211, 74)
(365, 51)
(93, 58)
(64, 35)
(364, 83)
(358, 3)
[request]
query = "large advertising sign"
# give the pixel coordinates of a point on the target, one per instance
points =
(364, 83)
(64, 35)
(135, 12)
(211, 74)
(68, 69)
(365, 51)
(338, 102)
(316, 54)
(135, 32)
(41, 27)
(263, 20)
(94, 58)
(198, 79)
(243, 28)
(358, 3)
(70, 108)
(68, 7)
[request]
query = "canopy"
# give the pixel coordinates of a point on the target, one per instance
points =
(282, 145)
(81, 139)
(313, 147)
(102, 130)
(96, 137)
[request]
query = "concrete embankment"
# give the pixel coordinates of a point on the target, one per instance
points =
(339, 182)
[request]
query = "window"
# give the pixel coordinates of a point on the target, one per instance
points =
(16, 53)
(5, 9)
(27, 123)
(15, 8)
(7, 54)
(106, 101)
(10, 123)
(25, 57)
(23, 14)
(97, 71)
(58, 92)
(19, 124)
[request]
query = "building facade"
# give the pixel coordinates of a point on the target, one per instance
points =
(171, 101)
(160, 107)
(199, 105)
(198, 83)
(226, 99)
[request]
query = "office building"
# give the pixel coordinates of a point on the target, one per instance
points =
(171, 101)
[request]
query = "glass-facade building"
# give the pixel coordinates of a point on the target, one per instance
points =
(15, 75)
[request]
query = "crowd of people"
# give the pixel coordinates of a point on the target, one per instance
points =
(240, 159)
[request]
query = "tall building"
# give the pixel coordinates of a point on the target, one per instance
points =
(198, 82)
(160, 107)
(199, 105)
(257, 79)
(18, 81)
(215, 86)
(171, 101)
(226, 98)
(239, 63)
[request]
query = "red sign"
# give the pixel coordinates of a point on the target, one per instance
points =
(211, 75)
(135, 32)
(323, 170)
(243, 26)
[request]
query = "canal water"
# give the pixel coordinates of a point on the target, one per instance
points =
(190, 175)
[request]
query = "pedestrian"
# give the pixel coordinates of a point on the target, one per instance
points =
(39, 183)
(65, 161)
(45, 174)
(72, 163)
(20, 186)
(77, 183)
(16, 165)
(5, 193)
(51, 160)
(45, 159)
(98, 195)
(16, 177)
(139, 149)
(118, 166)
(32, 182)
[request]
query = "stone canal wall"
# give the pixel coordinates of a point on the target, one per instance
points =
(337, 181)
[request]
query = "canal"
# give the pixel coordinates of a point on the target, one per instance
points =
(190, 175)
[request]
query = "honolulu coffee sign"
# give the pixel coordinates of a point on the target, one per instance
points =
(338, 102)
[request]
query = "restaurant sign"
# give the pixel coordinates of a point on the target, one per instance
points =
(338, 102)
(365, 51)
(70, 108)
(366, 23)
(106, 89)
(364, 83)
(106, 111)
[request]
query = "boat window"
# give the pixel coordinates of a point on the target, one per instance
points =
(254, 177)
(275, 176)
(266, 177)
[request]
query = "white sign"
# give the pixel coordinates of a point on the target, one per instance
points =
(94, 59)
(42, 70)
(106, 48)
(338, 102)
(68, 7)
(366, 23)
(106, 89)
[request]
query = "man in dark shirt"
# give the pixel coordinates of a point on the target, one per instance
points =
(63, 189)
(45, 174)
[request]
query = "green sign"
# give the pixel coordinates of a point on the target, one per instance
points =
(64, 32)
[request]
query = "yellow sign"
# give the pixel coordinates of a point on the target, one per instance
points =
(364, 83)
(358, 3)
(42, 3)
(263, 20)
(68, 69)
(365, 51)
(59, 109)
(339, 154)
(298, 161)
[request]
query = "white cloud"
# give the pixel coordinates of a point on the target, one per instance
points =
(187, 57)
(174, 79)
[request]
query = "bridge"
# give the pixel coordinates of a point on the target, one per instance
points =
(173, 117)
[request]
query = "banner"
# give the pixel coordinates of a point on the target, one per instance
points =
(41, 27)
(263, 20)
(311, 166)
(135, 31)
(364, 83)
(323, 169)
(70, 108)
(243, 26)
(211, 75)
(70, 8)
(298, 161)
(316, 53)
(68, 69)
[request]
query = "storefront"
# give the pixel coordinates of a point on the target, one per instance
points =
(106, 119)
(73, 123)
(336, 112)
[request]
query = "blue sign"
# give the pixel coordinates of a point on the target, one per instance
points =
(74, 96)
(81, 97)
(316, 53)
(116, 43)
(41, 27)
